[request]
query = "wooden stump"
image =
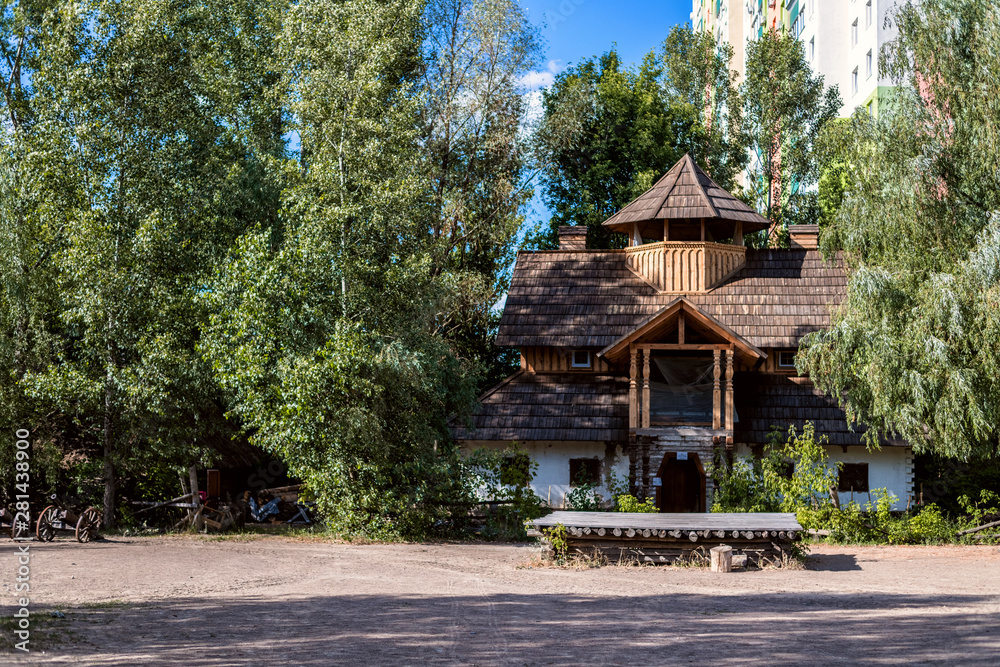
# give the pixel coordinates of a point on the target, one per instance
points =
(722, 559)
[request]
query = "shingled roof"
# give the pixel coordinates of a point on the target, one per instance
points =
(765, 401)
(591, 298)
(535, 406)
(686, 193)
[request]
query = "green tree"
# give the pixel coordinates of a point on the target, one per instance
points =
(785, 107)
(912, 348)
(475, 152)
(328, 330)
(609, 131)
(139, 170)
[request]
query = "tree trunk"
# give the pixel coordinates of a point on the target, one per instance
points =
(109, 447)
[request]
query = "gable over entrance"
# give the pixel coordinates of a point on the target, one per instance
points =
(682, 351)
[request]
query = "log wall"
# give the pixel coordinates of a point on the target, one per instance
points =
(558, 360)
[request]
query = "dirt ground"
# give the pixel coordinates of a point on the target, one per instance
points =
(278, 601)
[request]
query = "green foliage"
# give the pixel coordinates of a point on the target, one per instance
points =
(584, 498)
(609, 130)
(628, 503)
(984, 509)
(785, 107)
(911, 351)
(556, 537)
(745, 486)
(760, 484)
(877, 523)
(503, 475)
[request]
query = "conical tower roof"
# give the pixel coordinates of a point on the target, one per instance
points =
(686, 193)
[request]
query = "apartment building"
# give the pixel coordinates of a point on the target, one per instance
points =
(841, 38)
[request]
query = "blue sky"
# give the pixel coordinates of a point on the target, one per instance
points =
(577, 29)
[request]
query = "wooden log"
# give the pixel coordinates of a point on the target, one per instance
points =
(675, 533)
(154, 506)
(601, 532)
(693, 536)
(630, 532)
(617, 532)
(720, 534)
(646, 533)
(721, 558)
(979, 528)
(662, 534)
(586, 530)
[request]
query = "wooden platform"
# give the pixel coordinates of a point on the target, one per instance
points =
(663, 538)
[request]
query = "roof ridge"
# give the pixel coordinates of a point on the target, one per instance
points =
(701, 188)
(668, 190)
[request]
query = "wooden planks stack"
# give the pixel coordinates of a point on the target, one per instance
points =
(665, 538)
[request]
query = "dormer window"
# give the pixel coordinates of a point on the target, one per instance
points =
(786, 360)
(581, 359)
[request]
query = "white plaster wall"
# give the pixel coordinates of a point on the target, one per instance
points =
(889, 468)
(551, 481)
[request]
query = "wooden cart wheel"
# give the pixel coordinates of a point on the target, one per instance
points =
(46, 530)
(88, 524)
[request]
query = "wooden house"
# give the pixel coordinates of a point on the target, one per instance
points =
(645, 362)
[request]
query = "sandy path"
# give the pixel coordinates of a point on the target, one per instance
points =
(165, 601)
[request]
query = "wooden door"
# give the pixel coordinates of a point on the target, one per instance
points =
(682, 486)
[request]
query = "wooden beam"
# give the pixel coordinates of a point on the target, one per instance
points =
(686, 346)
(703, 230)
(633, 421)
(738, 234)
(666, 230)
(716, 393)
(729, 390)
(645, 388)
(680, 328)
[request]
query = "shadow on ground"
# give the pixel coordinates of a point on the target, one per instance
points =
(678, 629)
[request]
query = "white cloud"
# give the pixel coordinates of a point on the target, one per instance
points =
(541, 78)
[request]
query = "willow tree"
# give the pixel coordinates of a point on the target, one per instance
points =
(912, 349)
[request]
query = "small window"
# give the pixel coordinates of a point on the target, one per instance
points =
(854, 81)
(868, 13)
(581, 358)
(853, 478)
(854, 33)
(786, 359)
(583, 472)
(812, 50)
(868, 64)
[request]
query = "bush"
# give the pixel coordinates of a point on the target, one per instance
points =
(504, 476)
(760, 484)
(628, 503)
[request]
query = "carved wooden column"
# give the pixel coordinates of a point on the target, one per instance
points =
(633, 397)
(645, 468)
(645, 388)
(633, 454)
(716, 393)
(729, 389)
